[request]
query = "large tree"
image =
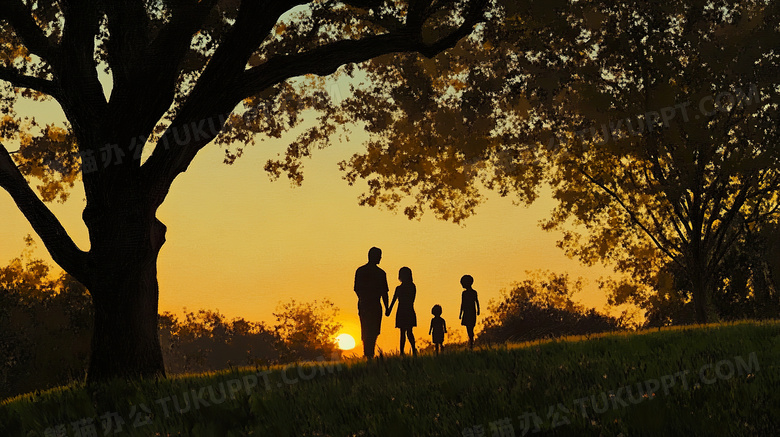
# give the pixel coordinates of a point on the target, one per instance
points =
(178, 70)
(656, 127)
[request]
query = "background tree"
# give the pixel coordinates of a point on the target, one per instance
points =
(748, 281)
(657, 131)
(45, 326)
(693, 181)
(207, 341)
(745, 285)
(542, 307)
(178, 69)
(306, 331)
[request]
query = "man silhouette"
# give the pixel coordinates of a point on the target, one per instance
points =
(370, 286)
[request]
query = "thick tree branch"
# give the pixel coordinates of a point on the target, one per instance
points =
(327, 59)
(716, 198)
(759, 217)
(720, 247)
(19, 80)
(166, 163)
(363, 4)
(659, 226)
(669, 187)
(82, 99)
(225, 71)
(146, 71)
(76, 64)
(128, 26)
(214, 96)
(56, 239)
(631, 213)
(174, 38)
(20, 18)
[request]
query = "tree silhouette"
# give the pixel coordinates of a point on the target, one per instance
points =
(46, 324)
(657, 132)
(208, 341)
(542, 307)
(704, 170)
(745, 285)
(178, 69)
(305, 331)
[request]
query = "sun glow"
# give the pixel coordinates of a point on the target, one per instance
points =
(345, 342)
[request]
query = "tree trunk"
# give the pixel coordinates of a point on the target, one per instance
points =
(702, 298)
(125, 292)
(699, 298)
(125, 341)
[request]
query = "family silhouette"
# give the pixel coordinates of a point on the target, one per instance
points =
(438, 329)
(469, 307)
(405, 317)
(372, 291)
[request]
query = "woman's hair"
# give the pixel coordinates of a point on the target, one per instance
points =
(466, 281)
(436, 311)
(405, 275)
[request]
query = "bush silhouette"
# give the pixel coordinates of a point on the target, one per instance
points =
(541, 307)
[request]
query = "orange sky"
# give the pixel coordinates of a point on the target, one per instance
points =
(241, 244)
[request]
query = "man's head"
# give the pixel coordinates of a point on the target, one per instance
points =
(374, 255)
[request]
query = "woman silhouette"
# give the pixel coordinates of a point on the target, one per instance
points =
(405, 317)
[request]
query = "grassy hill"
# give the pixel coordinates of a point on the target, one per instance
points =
(711, 380)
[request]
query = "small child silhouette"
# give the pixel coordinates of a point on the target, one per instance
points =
(438, 328)
(469, 307)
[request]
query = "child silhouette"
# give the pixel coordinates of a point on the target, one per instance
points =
(438, 329)
(469, 307)
(405, 317)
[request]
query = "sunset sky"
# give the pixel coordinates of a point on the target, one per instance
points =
(241, 244)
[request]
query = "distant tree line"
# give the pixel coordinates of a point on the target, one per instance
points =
(46, 330)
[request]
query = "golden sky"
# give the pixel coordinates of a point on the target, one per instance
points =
(240, 243)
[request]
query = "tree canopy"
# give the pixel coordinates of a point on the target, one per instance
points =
(657, 131)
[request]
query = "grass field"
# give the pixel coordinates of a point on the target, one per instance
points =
(710, 381)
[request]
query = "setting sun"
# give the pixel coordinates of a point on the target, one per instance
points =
(345, 342)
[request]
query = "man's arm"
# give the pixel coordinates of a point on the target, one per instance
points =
(358, 284)
(385, 299)
(390, 308)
